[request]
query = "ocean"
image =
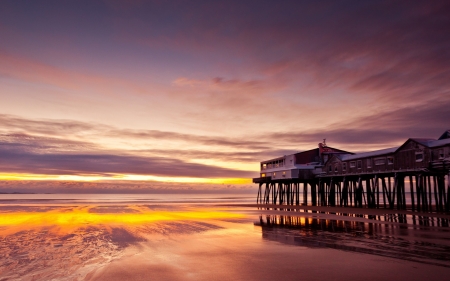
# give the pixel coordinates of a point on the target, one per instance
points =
(208, 237)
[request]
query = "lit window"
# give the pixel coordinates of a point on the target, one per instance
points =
(390, 160)
(352, 164)
(380, 161)
(284, 174)
(419, 156)
(359, 163)
(264, 166)
(369, 163)
(263, 175)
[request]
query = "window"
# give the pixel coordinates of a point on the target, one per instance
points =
(441, 154)
(352, 164)
(263, 175)
(419, 156)
(330, 168)
(390, 160)
(335, 168)
(264, 166)
(344, 167)
(359, 163)
(274, 175)
(369, 163)
(380, 161)
(284, 174)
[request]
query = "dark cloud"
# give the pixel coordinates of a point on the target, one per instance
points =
(388, 127)
(14, 159)
(48, 127)
(205, 140)
(17, 127)
(235, 156)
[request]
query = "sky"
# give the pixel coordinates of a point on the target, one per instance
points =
(157, 96)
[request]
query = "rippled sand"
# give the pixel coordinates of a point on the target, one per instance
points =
(192, 242)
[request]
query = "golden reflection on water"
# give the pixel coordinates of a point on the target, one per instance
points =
(67, 242)
(77, 217)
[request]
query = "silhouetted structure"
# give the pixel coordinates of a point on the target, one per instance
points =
(382, 178)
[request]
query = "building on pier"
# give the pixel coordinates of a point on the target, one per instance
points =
(331, 177)
(302, 165)
(413, 155)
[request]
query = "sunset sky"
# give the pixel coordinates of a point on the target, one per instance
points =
(151, 96)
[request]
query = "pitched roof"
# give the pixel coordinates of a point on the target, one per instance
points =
(422, 141)
(438, 142)
(445, 135)
(368, 154)
(426, 142)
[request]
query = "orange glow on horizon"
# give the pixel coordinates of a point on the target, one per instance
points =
(119, 177)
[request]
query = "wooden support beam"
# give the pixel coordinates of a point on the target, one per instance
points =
(377, 186)
(419, 193)
(397, 191)
(430, 198)
(351, 192)
(447, 202)
(259, 193)
(369, 193)
(359, 194)
(313, 194)
(411, 189)
(402, 180)
(391, 194)
(332, 194)
(305, 193)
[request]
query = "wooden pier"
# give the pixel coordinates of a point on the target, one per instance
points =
(414, 176)
(427, 192)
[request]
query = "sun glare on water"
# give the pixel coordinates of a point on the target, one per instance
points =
(86, 217)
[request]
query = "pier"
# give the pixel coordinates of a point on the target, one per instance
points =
(413, 176)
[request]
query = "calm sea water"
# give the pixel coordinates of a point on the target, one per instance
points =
(227, 198)
(206, 237)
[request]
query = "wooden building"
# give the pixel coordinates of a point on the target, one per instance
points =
(303, 165)
(337, 177)
(413, 155)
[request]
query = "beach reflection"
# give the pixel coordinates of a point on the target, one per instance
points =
(426, 245)
(68, 242)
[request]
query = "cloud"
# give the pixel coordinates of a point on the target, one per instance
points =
(16, 159)
(24, 128)
(380, 129)
(34, 71)
(48, 127)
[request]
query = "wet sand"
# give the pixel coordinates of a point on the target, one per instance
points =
(207, 242)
